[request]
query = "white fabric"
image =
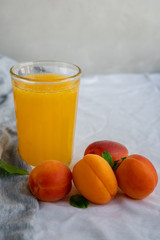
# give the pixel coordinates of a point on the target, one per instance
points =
(124, 108)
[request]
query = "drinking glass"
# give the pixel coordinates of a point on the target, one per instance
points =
(45, 98)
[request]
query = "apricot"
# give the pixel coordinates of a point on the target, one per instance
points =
(136, 176)
(94, 179)
(116, 150)
(50, 181)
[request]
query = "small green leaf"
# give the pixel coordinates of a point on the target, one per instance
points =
(12, 170)
(107, 156)
(78, 201)
(122, 159)
(115, 165)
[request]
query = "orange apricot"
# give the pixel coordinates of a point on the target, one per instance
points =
(50, 181)
(136, 176)
(94, 179)
(116, 150)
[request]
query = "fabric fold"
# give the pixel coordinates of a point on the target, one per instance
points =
(18, 207)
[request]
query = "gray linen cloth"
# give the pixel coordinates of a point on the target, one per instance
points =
(17, 205)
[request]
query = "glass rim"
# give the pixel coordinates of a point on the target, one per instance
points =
(39, 81)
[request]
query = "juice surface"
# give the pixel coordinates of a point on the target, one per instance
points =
(45, 115)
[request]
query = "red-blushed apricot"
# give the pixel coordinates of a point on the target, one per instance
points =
(116, 150)
(136, 176)
(50, 181)
(95, 179)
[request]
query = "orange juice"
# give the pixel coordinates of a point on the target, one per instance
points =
(45, 115)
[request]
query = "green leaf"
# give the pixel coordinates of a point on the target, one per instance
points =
(115, 165)
(107, 156)
(12, 170)
(78, 201)
(122, 159)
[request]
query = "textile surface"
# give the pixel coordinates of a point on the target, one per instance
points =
(121, 107)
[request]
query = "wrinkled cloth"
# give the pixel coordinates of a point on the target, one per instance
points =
(18, 207)
(7, 114)
(123, 108)
(120, 107)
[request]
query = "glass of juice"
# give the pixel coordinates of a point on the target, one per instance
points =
(45, 98)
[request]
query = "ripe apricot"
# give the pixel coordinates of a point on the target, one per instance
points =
(116, 149)
(136, 176)
(94, 179)
(50, 181)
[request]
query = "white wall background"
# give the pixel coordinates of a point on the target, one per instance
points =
(101, 36)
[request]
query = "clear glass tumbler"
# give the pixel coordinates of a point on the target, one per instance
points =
(45, 97)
